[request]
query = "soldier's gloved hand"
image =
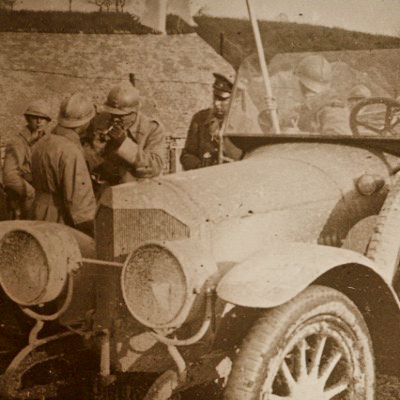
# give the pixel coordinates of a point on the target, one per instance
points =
(116, 136)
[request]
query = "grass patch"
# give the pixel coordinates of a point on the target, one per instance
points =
(283, 37)
(71, 22)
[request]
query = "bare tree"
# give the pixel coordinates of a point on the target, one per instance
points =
(106, 4)
(119, 5)
(101, 4)
(8, 4)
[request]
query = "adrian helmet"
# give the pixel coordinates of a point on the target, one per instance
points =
(122, 99)
(39, 108)
(76, 111)
(315, 73)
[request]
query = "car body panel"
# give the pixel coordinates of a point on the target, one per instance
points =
(290, 191)
(282, 270)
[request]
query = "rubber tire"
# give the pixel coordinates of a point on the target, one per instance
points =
(266, 340)
(384, 246)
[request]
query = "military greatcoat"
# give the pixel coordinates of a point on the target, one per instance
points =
(17, 174)
(141, 155)
(61, 179)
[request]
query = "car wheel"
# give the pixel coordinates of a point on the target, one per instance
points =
(384, 244)
(314, 347)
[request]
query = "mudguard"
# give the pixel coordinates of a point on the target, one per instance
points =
(279, 272)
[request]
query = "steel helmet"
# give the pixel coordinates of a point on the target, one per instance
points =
(76, 111)
(315, 73)
(359, 92)
(39, 108)
(122, 99)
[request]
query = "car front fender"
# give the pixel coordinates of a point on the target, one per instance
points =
(279, 272)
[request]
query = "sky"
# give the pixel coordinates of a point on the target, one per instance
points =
(374, 16)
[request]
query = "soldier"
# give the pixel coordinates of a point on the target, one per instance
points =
(357, 94)
(135, 144)
(322, 111)
(61, 179)
(202, 142)
(17, 174)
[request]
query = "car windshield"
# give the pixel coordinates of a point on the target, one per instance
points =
(249, 114)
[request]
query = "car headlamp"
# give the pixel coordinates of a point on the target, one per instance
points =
(35, 261)
(160, 282)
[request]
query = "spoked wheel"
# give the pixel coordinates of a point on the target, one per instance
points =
(315, 347)
(383, 121)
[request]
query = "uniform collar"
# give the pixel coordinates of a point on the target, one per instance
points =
(27, 136)
(135, 126)
(212, 118)
(69, 134)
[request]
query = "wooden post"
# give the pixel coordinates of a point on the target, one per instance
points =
(221, 43)
(132, 79)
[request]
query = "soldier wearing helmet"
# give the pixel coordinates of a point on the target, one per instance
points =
(17, 175)
(134, 143)
(202, 142)
(322, 111)
(61, 179)
(357, 94)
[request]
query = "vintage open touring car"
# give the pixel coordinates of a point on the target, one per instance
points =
(276, 275)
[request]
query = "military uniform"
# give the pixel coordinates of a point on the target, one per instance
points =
(203, 139)
(325, 113)
(135, 143)
(202, 142)
(17, 173)
(61, 179)
(322, 110)
(142, 153)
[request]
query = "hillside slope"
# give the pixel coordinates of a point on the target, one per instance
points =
(283, 37)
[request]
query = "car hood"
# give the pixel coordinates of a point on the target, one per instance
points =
(276, 177)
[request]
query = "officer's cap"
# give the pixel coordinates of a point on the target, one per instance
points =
(222, 86)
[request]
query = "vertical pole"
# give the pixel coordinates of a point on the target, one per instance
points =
(221, 43)
(263, 64)
(105, 354)
(162, 15)
(222, 130)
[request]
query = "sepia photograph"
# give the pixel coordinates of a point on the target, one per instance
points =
(200, 200)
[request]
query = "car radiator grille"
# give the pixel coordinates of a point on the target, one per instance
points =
(120, 231)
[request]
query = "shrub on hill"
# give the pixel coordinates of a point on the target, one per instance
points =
(283, 37)
(70, 22)
(176, 25)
